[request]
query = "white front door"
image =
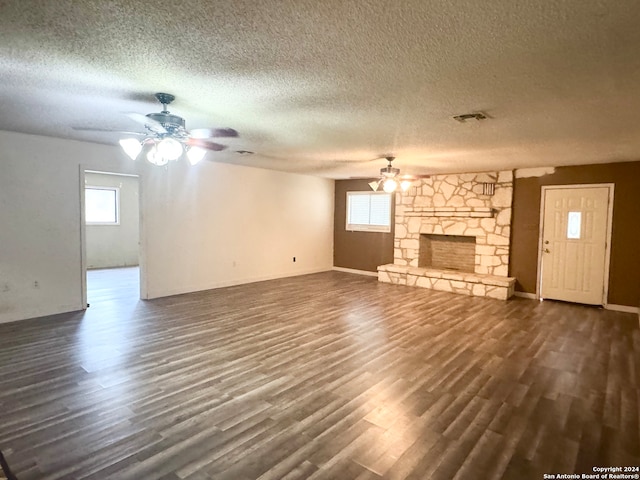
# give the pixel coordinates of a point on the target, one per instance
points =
(574, 243)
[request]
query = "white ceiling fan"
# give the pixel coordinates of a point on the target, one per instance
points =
(165, 137)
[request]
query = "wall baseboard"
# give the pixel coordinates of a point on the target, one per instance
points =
(530, 296)
(30, 314)
(610, 306)
(230, 283)
(358, 272)
(622, 308)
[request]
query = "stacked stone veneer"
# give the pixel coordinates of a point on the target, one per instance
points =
(455, 205)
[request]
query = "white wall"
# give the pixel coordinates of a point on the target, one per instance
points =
(195, 223)
(115, 245)
(40, 248)
(222, 224)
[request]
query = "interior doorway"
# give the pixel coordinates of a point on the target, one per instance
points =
(111, 234)
(119, 285)
(575, 243)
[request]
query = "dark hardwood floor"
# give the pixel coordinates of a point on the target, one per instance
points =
(325, 376)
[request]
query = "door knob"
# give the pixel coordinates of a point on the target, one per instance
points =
(546, 250)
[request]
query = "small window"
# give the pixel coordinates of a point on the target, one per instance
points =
(369, 211)
(102, 205)
(574, 221)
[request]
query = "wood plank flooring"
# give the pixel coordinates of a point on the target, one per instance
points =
(325, 376)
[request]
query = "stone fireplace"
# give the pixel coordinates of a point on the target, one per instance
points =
(451, 235)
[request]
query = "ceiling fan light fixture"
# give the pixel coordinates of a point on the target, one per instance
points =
(389, 185)
(391, 180)
(166, 139)
(405, 185)
(195, 154)
(170, 148)
(156, 158)
(131, 147)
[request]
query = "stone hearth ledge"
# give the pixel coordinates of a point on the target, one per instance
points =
(474, 284)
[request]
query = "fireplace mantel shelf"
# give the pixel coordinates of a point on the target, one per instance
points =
(469, 212)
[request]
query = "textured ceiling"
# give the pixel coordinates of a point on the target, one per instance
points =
(321, 87)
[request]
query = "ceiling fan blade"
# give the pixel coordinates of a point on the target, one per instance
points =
(197, 142)
(106, 130)
(213, 133)
(151, 124)
(412, 177)
(398, 177)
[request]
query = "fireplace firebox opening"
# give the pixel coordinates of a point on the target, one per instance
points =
(447, 252)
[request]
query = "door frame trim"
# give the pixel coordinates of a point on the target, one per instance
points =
(607, 250)
(142, 254)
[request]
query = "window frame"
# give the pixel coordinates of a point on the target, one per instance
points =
(116, 190)
(359, 227)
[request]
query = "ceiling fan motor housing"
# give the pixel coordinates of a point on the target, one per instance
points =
(389, 171)
(172, 123)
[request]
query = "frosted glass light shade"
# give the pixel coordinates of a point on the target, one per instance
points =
(195, 154)
(374, 185)
(131, 147)
(154, 156)
(405, 185)
(170, 148)
(389, 185)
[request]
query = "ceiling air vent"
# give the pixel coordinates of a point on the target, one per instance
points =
(468, 116)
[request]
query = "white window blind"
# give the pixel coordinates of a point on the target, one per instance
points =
(369, 211)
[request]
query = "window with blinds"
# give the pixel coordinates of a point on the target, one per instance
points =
(369, 211)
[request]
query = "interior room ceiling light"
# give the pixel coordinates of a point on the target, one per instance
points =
(168, 138)
(169, 148)
(154, 156)
(165, 138)
(195, 154)
(390, 179)
(389, 185)
(131, 146)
